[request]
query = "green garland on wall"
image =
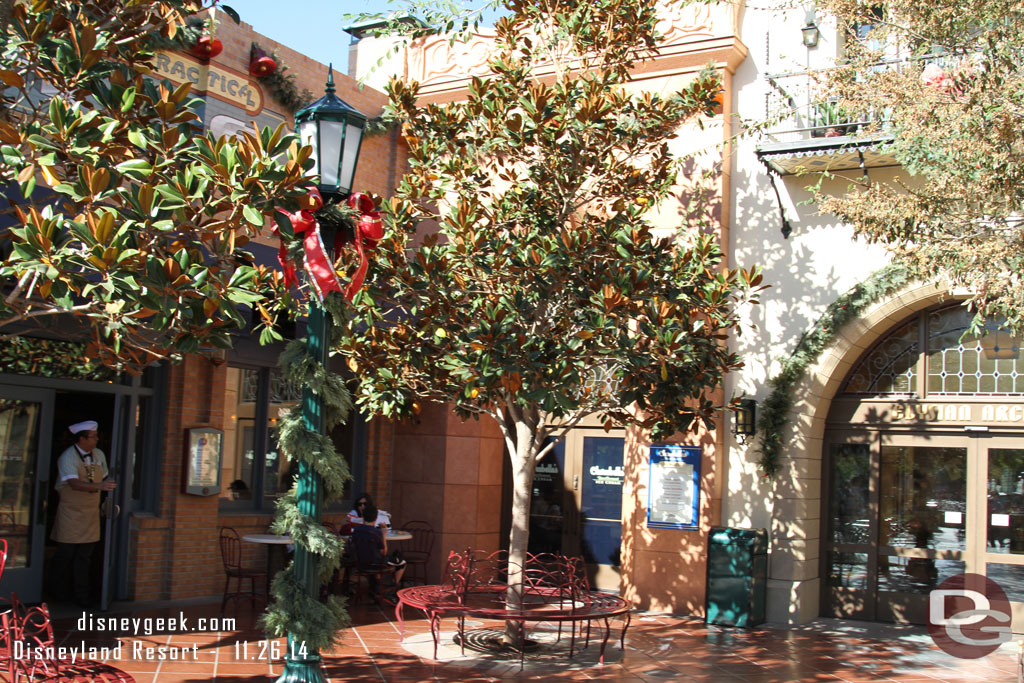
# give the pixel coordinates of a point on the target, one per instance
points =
(313, 622)
(281, 85)
(776, 407)
(51, 358)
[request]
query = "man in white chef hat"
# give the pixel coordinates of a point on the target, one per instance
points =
(82, 475)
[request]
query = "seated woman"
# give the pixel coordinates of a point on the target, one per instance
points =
(371, 550)
(358, 513)
(355, 515)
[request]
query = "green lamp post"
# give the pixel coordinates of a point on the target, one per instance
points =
(335, 131)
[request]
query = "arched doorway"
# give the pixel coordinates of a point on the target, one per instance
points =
(924, 469)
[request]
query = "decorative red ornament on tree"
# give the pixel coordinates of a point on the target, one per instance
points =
(261, 64)
(207, 47)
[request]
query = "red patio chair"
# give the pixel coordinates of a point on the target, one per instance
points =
(231, 555)
(32, 627)
(3, 556)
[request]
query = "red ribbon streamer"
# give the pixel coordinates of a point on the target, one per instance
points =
(315, 258)
(287, 267)
(369, 231)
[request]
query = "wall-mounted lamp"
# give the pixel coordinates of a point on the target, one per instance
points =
(745, 421)
(810, 31)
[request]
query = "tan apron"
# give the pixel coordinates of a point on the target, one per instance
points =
(78, 515)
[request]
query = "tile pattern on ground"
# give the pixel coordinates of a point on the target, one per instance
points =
(195, 643)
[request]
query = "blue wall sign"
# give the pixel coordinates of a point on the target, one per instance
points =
(674, 487)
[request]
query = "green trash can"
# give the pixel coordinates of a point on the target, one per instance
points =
(737, 577)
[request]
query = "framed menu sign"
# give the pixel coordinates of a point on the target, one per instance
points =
(674, 487)
(205, 448)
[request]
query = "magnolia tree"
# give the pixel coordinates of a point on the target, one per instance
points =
(953, 102)
(124, 222)
(540, 294)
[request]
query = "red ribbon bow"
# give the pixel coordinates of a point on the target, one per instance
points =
(369, 231)
(315, 258)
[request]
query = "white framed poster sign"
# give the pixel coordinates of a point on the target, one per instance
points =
(205, 448)
(674, 487)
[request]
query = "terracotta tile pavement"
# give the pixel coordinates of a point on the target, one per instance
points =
(658, 648)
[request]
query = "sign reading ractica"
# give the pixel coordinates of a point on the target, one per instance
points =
(211, 79)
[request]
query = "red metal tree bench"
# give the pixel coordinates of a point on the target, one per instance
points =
(555, 589)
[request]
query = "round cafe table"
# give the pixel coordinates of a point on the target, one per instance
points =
(269, 539)
(398, 535)
(275, 558)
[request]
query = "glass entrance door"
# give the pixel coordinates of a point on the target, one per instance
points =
(594, 477)
(576, 507)
(999, 543)
(906, 512)
(25, 419)
(922, 531)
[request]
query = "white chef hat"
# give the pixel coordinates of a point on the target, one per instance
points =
(83, 426)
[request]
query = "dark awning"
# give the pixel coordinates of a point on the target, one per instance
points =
(816, 155)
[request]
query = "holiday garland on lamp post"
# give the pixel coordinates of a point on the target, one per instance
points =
(331, 132)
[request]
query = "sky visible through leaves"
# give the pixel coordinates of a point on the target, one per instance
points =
(312, 27)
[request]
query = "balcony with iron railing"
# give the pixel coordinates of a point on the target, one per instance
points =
(808, 132)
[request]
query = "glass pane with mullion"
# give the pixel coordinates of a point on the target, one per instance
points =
(1010, 578)
(849, 493)
(848, 570)
(548, 497)
(279, 469)
(919, 575)
(19, 438)
(1005, 509)
(601, 499)
(923, 497)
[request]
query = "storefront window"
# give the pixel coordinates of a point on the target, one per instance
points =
(891, 367)
(257, 400)
(959, 362)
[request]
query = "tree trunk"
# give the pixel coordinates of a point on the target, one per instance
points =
(524, 464)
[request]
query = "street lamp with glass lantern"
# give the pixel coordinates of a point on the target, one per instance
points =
(335, 131)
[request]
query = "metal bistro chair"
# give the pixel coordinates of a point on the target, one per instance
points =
(416, 551)
(370, 563)
(33, 629)
(231, 555)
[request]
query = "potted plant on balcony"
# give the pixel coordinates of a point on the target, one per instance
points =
(829, 121)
